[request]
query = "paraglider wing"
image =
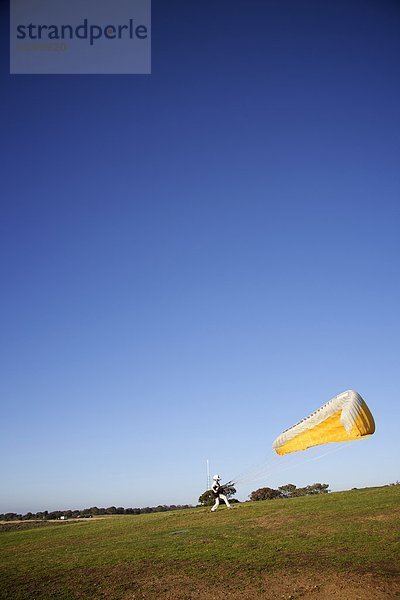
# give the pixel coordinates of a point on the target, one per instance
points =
(345, 417)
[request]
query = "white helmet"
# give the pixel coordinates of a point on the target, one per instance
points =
(216, 477)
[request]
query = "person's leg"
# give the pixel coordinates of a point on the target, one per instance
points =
(225, 499)
(216, 504)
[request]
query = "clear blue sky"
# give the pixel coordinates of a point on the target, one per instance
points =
(194, 260)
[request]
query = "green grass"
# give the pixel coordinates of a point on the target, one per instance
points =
(123, 557)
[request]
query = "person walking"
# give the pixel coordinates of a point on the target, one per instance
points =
(218, 493)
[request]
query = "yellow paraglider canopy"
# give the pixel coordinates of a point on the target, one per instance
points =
(345, 417)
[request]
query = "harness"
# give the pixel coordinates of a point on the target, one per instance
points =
(218, 491)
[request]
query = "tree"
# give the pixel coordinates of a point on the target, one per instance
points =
(288, 490)
(264, 493)
(228, 490)
(206, 498)
(94, 510)
(316, 488)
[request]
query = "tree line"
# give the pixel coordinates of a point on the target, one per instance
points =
(87, 513)
(266, 493)
(206, 499)
(289, 491)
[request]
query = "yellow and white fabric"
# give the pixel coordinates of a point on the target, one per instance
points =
(345, 417)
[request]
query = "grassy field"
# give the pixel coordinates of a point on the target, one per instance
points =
(343, 545)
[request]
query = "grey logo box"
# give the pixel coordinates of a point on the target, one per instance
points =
(75, 37)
